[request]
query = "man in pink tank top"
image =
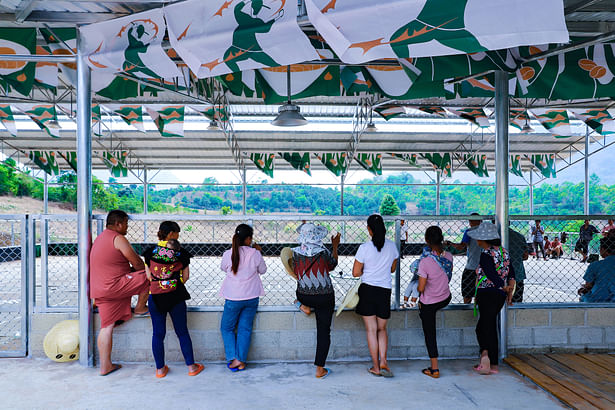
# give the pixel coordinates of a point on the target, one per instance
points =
(116, 274)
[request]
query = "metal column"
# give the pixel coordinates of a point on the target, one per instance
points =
(145, 202)
(531, 192)
(586, 184)
(342, 196)
(244, 190)
(437, 192)
(501, 178)
(84, 202)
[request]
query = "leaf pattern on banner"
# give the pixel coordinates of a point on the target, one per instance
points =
(555, 121)
(68, 36)
(299, 161)
(241, 83)
(116, 162)
(354, 82)
(45, 160)
(42, 115)
(169, 120)
(18, 75)
(476, 163)
(475, 115)
(70, 157)
(388, 111)
(307, 80)
(598, 120)
(440, 161)
(334, 161)
(264, 162)
(518, 118)
(46, 73)
(515, 165)
(7, 119)
(411, 159)
(370, 162)
(545, 163)
(438, 111)
(132, 115)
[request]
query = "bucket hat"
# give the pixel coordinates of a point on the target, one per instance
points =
(351, 300)
(286, 254)
(485, 231)
(61, 344)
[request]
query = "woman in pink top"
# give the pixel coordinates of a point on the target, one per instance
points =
(435, 271)
(241, 289)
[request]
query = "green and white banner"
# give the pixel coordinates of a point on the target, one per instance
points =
(411, 159)
(63, 41)
(45, 74)
(437, 111)
(216, 37)
(545, 163)
(45, 160)
(440, 162)
(388, 111)
(45, 117)
(7, 119)
(363, 30)
(475, 115)
(514, 165)
(132, 115)
(240, 83)
(131, 44)
(354, 81)
(97, 128)
(17, 75)
(334, 161)
(599, 120)
(169, 120)
(556, 121)
(477, 164)
(264, 161)
(518, 118)
(370, 162)
(298, 160)
(115, 162)
(392, 81)
(306, 81)
(70, 157)
(212, 112)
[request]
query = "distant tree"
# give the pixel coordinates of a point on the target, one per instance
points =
(226, 210)
(388, 206)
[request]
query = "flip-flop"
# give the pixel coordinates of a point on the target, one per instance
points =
(324, 375)
(233, 369)
(115, 368)
(435, 373)
(386, 372)
(241, 369)
(373, 373)
(199, 369)
(485, 366)
(165, 371)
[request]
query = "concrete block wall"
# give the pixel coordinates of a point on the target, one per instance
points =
(291, 336)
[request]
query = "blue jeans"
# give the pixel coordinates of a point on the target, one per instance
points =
(238, 314)
(159, 327)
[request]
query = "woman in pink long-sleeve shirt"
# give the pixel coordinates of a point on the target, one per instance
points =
(241, 290)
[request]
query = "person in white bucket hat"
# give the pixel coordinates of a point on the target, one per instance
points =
(495, 281)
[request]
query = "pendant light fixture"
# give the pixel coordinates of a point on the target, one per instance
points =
(213, 126)
(289, 114)
(371, 127)
(527, 128)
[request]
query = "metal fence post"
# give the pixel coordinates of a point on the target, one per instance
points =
(27, 282)
(398, 269)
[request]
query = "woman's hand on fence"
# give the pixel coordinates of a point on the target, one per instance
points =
(257, 246)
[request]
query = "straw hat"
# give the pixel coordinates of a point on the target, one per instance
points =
(286, 254)
(485, 232)
(351, 300)
(61, 344)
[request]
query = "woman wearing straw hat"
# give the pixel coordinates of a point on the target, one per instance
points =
(495, 278)
(311, 263)
(374, 262)
(241, 289)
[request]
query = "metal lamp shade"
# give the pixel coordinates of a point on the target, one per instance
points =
(371, 127)
(213, 126)
(289, 116)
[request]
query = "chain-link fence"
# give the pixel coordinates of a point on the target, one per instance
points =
(553, 280)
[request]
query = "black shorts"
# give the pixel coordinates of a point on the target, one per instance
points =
(581, 246)
(374, 300)
(468, 283)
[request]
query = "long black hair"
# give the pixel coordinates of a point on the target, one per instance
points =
(433, 236)
(242, 232)
(376, 224)
(166, 228)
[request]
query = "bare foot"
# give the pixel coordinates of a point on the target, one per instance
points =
(106, 371)
(320, 371)
(374, 372)
(141, 312)
(305, 309)
(236, 364)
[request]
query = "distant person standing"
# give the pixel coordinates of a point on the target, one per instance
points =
(586, 234)
(403, 235)
(537, 232)
(608, 228)
(517, 253)
(472, 249)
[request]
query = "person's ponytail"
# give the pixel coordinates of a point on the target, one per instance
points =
(242, 232)
(376, 224)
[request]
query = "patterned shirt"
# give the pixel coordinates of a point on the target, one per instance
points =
(313, 273)
(495, 266)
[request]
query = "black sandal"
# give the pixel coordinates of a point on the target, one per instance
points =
(435, 373)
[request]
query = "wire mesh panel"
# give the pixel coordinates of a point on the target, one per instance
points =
(12, 274)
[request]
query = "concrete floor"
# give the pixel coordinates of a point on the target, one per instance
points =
(38, 384)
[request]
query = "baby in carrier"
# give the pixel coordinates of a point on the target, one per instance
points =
(165, 268)
(411, 295)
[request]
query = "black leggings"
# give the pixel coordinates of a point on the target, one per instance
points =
(489, 302)
(323, 306)
(427, 313)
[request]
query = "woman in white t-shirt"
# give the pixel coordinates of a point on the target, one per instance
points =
(374, 262)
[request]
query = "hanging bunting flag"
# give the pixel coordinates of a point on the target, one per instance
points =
(334, 161)
(307, 80)
(388, 111)
(264, 162)
(440, 161)
(45, 74)
(131, 44)
(213, 112)
(370, 162)
(518, 118)
(132, 115)
(554, 120)
(515, 165)
(63, 41)
(475, 115)
(362, 30)
(241, 83)
(7, 119)
(45, 160)
(545, 163)
(299, 161)
(226, 36)
(97, 128)
(438, 111)
(46, 118)
(476, 163)
(598, 120)
(393, 81)
(17, 75)
(354, 81)
(70, 157)
(168, 120)
(115, 162)
(411, 159)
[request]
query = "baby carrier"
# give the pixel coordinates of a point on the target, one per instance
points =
(165, 268)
